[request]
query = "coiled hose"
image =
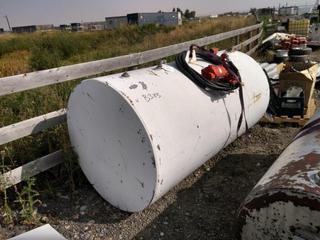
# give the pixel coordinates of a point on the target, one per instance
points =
(201, 81)
(217, 85)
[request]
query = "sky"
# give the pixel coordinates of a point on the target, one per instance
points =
(29, 12)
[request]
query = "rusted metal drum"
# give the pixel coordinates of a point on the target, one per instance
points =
(285, 204)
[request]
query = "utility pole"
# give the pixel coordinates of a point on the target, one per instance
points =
(316, 5)
(317, 8)
(8, 23)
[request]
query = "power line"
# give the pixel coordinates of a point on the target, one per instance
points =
(8, 23)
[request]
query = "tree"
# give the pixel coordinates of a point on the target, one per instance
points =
(187, 13)
(253, 11)
(174, 9)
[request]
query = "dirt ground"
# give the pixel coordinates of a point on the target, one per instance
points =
(203, 206)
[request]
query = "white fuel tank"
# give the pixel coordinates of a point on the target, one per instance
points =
(140, 135)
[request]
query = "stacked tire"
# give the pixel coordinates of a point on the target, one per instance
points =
(281, 56)
(299, 54)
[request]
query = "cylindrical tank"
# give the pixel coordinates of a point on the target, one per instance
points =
(139, 134)
(285, 204)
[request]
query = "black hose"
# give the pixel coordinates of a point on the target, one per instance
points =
(274, 103)
(198, 79)
(216, 85)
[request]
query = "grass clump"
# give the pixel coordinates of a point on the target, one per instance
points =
(27, 199)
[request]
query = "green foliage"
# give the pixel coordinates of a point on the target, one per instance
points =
(27, 199)
(6, 211)
(186, 14)
(43, 58)
(53, 50)
(25, 42)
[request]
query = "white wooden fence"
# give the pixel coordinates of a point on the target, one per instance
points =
(28, 81)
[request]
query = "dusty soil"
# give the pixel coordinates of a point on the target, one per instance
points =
(203, 206)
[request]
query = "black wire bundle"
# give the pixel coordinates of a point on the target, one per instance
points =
(274, 103)
(201, 81)
(217, 85)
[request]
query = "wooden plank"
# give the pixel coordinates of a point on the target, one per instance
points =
(238, 39)
(254, 49)
(283, 120)
(251, 51)
(31, 126)
(30, 169)
(33, 80)
(247, 42)
(312, 107)
(251, 44)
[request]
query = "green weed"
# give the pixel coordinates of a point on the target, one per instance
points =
(27, 199)
(6, 212)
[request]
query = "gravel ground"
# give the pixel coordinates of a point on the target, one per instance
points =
(203, 206)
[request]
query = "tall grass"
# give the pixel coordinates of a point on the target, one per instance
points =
(37, 51)
(53, 49)
(15, 63)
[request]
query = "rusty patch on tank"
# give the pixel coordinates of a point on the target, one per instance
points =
(297, 182)
(297, 200)
(90, 96)
(308, 131)
(309, 162)
(153, 161)
(129, 99)
(311, 124)
(133, 86)
(257, 98)
(141, 183)
(266, 200)
(294, 176)
(290, 184)
(143, 85)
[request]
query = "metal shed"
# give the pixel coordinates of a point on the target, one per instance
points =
(159, 18)
(115, 22)
(24, 29)
(289, 11)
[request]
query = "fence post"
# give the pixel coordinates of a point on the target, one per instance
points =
(237, 39)
(251, 45)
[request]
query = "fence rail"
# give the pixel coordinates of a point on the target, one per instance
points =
(31, 126)
(30, 169)
(28, 81)
(43, 78)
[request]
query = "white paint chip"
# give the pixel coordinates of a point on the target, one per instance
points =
(45, 232)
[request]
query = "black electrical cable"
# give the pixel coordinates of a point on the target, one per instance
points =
(217, 85)
(274, 103)
(197, 78)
